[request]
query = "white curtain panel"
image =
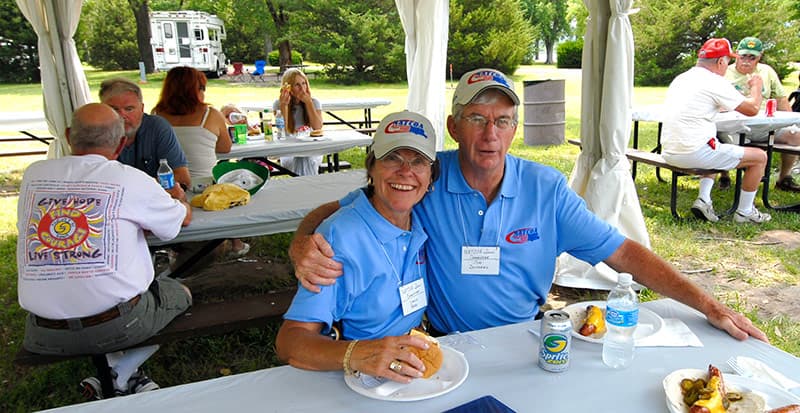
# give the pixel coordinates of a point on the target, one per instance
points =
(63, 81)
(426, 26)
(602, 172)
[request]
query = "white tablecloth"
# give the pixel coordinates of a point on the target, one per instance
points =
(502, 363)
(732, 122)
(278, 206)
(333, 141)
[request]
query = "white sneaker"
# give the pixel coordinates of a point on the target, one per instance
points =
(704, 210)
(754, 216)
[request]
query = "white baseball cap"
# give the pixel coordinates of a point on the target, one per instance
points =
(404, 130)
(474, 82)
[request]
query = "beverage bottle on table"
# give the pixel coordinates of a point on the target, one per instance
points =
(280, 125)
(622, 316)
(165, 176)
(266, 124)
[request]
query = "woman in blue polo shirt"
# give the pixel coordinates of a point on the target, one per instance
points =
(380, 243)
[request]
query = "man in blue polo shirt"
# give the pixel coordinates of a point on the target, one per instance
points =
(496, 224)
(149, 137)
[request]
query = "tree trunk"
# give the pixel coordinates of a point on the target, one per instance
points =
(141, 13)
(281, 20)
(549, 58)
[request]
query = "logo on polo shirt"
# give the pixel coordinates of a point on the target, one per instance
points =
(405, 126)
(487, 76)
(522, 235)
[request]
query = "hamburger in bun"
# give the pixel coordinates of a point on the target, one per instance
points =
(316, 133)
(432, 357)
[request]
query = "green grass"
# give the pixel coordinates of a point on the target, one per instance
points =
(690, 245)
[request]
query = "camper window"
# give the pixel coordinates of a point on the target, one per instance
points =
(198, 34)
(167, 31)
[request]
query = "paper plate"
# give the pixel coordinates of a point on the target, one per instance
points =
(452, 374)
(774, 397)
(649, 322)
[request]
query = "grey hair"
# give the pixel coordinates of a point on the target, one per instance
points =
(115, 86)
(710, 61)
(84, 136)
(486, 97)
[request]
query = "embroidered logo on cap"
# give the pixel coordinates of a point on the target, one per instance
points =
(405, 126)
(487, 76)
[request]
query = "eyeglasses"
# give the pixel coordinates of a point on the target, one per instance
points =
(203, 88)
(480, 122)
(747, 57)
(417, 164)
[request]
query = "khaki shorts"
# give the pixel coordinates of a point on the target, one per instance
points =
(163, 301)
(725, 156)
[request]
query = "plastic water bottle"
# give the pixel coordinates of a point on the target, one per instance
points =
(280, 125)
(165, 176)
(622, 316)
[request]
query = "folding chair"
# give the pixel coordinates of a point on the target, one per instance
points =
(258, 73)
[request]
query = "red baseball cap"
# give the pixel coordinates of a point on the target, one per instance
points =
(714, 48)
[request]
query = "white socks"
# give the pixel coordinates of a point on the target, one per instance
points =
(746, 201)
(125, 363)
(706, 184)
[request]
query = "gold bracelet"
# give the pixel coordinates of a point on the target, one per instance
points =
(346, 361)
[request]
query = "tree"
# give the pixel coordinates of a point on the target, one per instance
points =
(487, 35)
(280, 17)
(19, 53)
(104, 37)
(668, 34)
(357, 41)
(549, 19)
(141, 13)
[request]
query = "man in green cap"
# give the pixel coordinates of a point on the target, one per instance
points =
(748, 59)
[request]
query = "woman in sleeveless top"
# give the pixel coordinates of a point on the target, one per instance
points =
(201, 129)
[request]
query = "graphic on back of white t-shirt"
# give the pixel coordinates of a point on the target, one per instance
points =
(71, 233)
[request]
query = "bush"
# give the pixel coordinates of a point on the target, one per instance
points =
(570, 54)
(273, 58)
(487, 34)
(107, 36)
(19, 55)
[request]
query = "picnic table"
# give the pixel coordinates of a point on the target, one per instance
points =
(501, 362)
(22, 127)
(330, 106)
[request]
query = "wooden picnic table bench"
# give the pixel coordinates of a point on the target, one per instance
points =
(200, 320)
(655, 159)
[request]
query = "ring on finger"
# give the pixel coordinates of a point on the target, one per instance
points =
(395, 366)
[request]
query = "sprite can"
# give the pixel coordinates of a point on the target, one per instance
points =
(556, 336)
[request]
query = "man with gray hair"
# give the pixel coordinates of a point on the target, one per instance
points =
(689, 136)
(496, 224)
(149, 137)
(84, 269)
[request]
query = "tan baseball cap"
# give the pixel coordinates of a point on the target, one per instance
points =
(474, 82)
(404, 129)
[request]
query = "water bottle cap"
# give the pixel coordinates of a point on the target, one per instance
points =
(162, 160)
(625, 278)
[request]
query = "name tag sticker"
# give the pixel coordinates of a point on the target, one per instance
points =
(413, 297)
(480, 260)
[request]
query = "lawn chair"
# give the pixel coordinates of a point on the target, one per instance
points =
(258, 73)
(238, 74)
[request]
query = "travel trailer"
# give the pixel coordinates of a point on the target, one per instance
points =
(188, 38)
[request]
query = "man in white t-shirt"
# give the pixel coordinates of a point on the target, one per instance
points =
(84, 270)
(689, 134)
(748, 61)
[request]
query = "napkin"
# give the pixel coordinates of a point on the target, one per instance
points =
(674, 333)
(758, 370)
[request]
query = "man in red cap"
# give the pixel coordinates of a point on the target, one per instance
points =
(689, 134)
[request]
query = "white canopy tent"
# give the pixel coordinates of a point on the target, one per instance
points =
(602, 173)
(425, 24)
(63, 81)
